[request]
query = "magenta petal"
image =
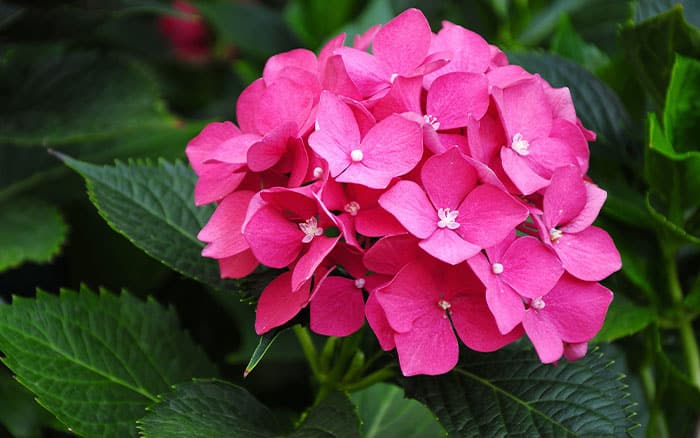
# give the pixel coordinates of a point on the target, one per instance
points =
(446, 245)
(299, 58)
(448, 178)
(488, 214)
(223, 231)
(576, 308)
(475, 325)
(239, 265)
(454, 97)
(393, 146)
(377, 222)
(574, 352)
(589, 255)
(403, 42)
(217, 181)
(278, 304)
(367, 72)
(246, 105)
(565, 197)
(544, 336)
(505, 304)
(430, 348)
(274, 240)
(208, 141)
(595, 198)
(519, 171)
(337, 133)
(267, 152)
(404, 96)
(525, 110)
(336, 79)
(283, 101)
(378, 323)
(407, 202)
(319, 248)
(530, 267)
(390, 254)
(337, 308)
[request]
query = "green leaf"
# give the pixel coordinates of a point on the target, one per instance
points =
(682, 109)
(67, 98)
(664, 223)
(264, 345)
(334, 417)
(19, 413)
(692, 300)
(254, 28)
(97, 361)
(316, 20)
(30, 231)
(376, 12)
(386, 413)
(651, 47)
(546, 20)
(624, 318)
(569, 44)
(647, 9)
(510, 393)
(207, 408)
(153, 206)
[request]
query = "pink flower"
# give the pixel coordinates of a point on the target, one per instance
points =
(570, 207)
(423, 303)
(188, 35)
(453, 215)
(572, 312)
(390, 148)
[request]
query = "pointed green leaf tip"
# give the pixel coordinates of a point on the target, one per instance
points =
(96, 361)
(152, 205)
(264, 344)
(510, 393)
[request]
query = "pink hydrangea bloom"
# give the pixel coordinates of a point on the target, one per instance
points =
(424, 185)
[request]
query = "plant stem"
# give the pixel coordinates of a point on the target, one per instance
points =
(685, 325)
(308, 348)
(371, 379)
(657, 417)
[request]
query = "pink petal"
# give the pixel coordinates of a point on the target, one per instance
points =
(595, 198)
(574, 352)
(363, 41)
(365, 120)
(298, 156)
(274, 240)
(368, 73)
(530, 267)
(488, 214)
(470, 52)
(565, 197)
(223, 231)
(378, 323)
(235, 149)
(589, 255)
(505, 305)
(576, 308)
(337, 308)
(454, 97)
(238, 266)
(297, 203)
(448, 178)
(393, 146)
(446, 245)
(403, 42)
(525, 110)
(549, 153)
(377, 222)
(475, 325)
(485, 137)
(201, 147)
(299, 58)
(518, 170)
(217, 181)
(278, 304)
(430, 348)
(404, 96)
(571, 135)
(318, 249)
(335, 78)
(360, 173)
(414, 292)
(389, 254)
(506, 76)
(407, 202)
(337, 133)
(282, 102)
(544, 336)
(246, 106)
(267, 152)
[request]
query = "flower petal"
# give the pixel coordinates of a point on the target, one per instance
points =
(278, 304)
(448, 178)
(530, 267)
(403, 42)
(448, 246)
(430, 348)
(454, 97)
(589, 255)
(337, 307)
(407, 202)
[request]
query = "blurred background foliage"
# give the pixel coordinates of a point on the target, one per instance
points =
(114, 79)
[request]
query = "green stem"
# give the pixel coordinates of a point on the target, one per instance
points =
(685, 325)
(308, 348)
(377, 376)
(657, 418)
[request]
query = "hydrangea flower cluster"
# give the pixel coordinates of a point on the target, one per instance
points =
(427, 186)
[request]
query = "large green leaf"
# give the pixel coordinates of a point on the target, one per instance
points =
(19, 413)
(97, 361)
(624, 318)
(54, 98)
(215, 408)
(651, 47)
(386, 413)
(30, 231)
(647, 9)
(682, 109)
(153, 206)
(510, 393)
(207, 409)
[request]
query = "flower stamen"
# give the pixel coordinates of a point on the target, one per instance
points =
(520, 145)
(310, 229)
(448, 218)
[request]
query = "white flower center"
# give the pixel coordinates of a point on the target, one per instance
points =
(432, 121)
(352, 208)
(537, 303)
(393, 77)
(310, 229)
(555, 235)
(445, 306)
(318, 172)
(497, 268)
(448, 218)
(520, 145)
(356, 155)
(360, 283)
